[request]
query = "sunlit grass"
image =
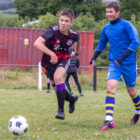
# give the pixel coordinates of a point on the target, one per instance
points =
(40, 109)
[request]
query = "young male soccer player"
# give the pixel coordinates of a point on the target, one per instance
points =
(54, 44)
(124, 41)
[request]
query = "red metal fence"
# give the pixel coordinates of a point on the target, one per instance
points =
(16, 46)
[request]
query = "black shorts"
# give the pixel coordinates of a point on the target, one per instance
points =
(52, 68)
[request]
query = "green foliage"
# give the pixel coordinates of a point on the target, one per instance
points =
(84, 23)
(81, 23)
(10, 21)
(47, 20)
(27, 8)
(34, 8)
(129, 8)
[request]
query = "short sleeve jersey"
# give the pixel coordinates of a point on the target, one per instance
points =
(58, 43)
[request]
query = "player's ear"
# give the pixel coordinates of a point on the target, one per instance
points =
(71, 23)
(118, 13)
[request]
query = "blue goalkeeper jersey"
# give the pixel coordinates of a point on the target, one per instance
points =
(121, 36)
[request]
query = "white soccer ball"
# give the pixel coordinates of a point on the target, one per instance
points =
(18, 125)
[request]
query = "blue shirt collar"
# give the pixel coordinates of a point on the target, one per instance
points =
(115, 21)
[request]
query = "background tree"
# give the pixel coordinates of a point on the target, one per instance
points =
(34, 8)
(129, 8)
(27, 8)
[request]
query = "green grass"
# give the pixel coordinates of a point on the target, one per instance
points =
(84, 124)
(19, 96)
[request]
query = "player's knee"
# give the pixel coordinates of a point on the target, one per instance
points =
(58, 79)
(111, 88)
(132, 91)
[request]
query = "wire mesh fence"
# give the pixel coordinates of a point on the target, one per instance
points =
(26, 77)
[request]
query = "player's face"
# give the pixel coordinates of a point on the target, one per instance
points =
(111, 14)
(64, 24)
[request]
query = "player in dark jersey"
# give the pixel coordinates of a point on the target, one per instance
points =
(54, 44)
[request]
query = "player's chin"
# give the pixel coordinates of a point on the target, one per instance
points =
(109, 18)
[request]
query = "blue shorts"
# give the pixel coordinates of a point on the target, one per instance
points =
(128, 72)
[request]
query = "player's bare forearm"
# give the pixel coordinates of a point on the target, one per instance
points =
(40, 45)
(77, 48)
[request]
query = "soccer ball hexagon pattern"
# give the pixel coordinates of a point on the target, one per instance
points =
(18, 125)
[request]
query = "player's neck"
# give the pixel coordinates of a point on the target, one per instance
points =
(64, 32)
(115, 20)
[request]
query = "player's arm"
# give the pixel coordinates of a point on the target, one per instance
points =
(133, 36)
(134, 44)
(77, 48)
(96, 54)
(123, 56)
(40, 45)
(101, 46)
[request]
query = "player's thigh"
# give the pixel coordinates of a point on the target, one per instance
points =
(114, 72)
(59, 75)
(129, 74)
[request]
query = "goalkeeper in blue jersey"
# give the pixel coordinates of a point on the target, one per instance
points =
(124, 41)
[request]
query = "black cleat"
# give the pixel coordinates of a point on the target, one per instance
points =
(135, 119)
(71, 93)
(48, 91)
(60, 115)
(72, 104)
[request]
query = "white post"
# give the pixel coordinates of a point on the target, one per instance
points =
(39, 77)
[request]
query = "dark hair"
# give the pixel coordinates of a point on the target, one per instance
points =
(114, 4)
(67, 12)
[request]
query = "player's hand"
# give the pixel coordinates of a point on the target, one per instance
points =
(54, 58)
(92, 63)
(117, 63)
(74, 54)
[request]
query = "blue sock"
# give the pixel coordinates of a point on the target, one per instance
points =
(136, 100)
(110, 104)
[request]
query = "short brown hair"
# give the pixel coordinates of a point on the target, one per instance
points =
(114, 4)
(67, 12)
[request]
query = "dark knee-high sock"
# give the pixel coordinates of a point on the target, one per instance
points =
(68, 97)
(48, 86)
(60, 96)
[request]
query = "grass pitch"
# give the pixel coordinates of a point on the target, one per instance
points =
(84, 124)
